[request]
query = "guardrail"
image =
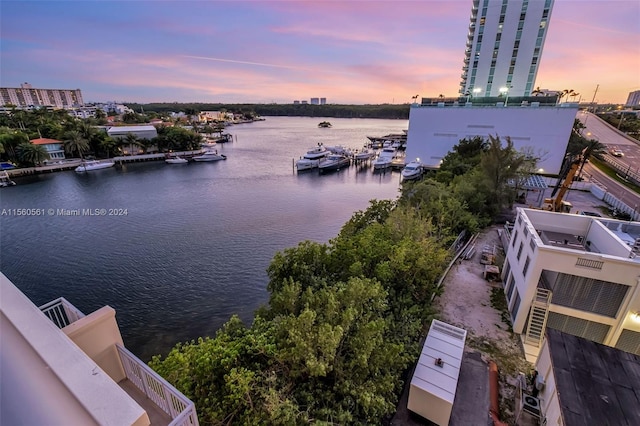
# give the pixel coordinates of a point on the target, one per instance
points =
(180, 408)
(61, 312)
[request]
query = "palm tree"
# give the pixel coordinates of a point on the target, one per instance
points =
(537, 91)
(74, 142)
(131, 140)
(29, 153)
(593, 148)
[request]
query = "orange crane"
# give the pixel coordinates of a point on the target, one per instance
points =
(557, 203)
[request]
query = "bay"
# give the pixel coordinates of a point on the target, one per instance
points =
(196, 239)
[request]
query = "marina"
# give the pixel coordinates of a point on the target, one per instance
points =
(187, 239)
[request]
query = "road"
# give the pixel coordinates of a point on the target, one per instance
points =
(598, 129)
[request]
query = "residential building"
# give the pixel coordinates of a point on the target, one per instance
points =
(573, 273)
(141, 132)
(61, 367)
(296, 102)
(323, 101)
(26, 96)
(504, 46)
(54, 148)
(580, 382)
(633, 99)
(534, 124)
(315, 101)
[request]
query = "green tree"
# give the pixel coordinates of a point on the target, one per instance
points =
(75, 143)
(501, 167)
(10, 139)
(32, 155)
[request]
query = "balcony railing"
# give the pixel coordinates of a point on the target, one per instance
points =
(163, 394)
(61, 312)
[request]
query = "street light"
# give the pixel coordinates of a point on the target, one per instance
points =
(505, 90)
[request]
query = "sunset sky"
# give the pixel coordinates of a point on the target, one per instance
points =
(350, 52)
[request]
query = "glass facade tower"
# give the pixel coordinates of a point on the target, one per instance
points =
(504, 46)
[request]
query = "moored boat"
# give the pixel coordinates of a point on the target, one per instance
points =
(87, 166)
(211, 155)
(334, 162)
(324, 124)
(413, 170)
(364, 155)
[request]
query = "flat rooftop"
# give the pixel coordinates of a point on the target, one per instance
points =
(596, 384)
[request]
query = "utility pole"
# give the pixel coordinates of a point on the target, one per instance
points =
(594, 109)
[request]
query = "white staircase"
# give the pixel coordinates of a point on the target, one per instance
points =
(538, 317)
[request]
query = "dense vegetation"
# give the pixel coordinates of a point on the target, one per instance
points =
(81, 138)
(298, 110)
(345, 319)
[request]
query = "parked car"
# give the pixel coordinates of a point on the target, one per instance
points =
(616, 152)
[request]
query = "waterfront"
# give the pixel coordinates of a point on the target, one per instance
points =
(193, 245)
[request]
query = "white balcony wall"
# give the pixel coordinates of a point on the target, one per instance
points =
(97, 335)
(549, 404)
(47, 379)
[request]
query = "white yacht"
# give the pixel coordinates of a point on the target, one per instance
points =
(87, 166)
(210, 155)
(334, 162)
(364, 155)
(385, 158)
(312, 158)
(413, 170)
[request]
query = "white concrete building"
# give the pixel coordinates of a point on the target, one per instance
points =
(633, 99)
(437, 125)
(142, 132)
(504, 46)
(26, 96)
(573, 273)
(581, 382)
(60, 367)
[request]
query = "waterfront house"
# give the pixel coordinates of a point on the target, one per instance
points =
(54, 148)
(141, 132)
(573, 273)
(60, 366)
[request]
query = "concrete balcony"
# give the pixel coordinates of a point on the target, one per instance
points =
(71, 368)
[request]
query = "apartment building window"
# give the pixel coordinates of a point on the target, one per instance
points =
(498, 37)
(516, 306)
(532, 244)
(507, 268)
(520, 251)
(515, 237)
(519, 220)
(590, 330)
(480, 38)
(526, 266)
(586, 294)
(510, 286)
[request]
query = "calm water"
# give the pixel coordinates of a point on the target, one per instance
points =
(197, 238)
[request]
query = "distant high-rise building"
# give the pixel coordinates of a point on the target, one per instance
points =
(323, 101)
(315, 101)
(296, 102)
(633, 99)
(504, 46)
(27, 97)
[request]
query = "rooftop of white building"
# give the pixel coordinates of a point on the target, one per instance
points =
(608, 237)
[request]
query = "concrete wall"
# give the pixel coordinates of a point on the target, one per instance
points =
(97, 334)
(47, 379)
(433, 131)
(549, 404)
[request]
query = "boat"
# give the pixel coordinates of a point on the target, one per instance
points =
(364, 155)
(176, 160)
(324, 124)
(339, 149)
(413, 170)
(211, 155)
(317, 152)
(385, 158)
(334, 162)
(5, 180)
(88, 166)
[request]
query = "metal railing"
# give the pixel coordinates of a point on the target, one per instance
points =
(164, 395)
(61, 312)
